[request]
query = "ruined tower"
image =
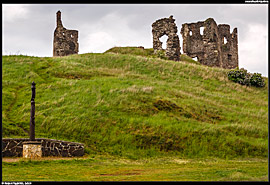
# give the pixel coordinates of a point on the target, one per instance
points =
(166, 26)
(214, 46)
(65, 41)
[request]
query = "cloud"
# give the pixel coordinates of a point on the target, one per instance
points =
(97, 42)
(14, 12)
(253, 49)
(111, 30)
(239, 12)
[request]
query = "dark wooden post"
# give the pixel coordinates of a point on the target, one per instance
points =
(32, 116)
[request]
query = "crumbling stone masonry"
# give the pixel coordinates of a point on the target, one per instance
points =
(166, 26)
(65, 41)
(216, 46)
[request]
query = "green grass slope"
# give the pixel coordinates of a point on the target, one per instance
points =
(135, 105)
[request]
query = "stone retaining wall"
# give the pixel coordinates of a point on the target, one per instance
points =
(12, 147)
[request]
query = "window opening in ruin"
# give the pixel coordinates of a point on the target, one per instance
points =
(224, 40)
(71, 36)
(201, 30)
(195, 58)
(190, 33)
(229, 57)
(163, 39)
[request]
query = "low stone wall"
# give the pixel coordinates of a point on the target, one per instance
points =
(12, 147)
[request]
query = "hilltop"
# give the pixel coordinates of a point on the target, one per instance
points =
(134, 103)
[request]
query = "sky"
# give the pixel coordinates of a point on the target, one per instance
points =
(28, 29)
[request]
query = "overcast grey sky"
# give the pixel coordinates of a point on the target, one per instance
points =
(28, 28)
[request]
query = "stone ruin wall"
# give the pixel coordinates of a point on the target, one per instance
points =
(210, 47)
(166, 26)
(65, 41)
(49, 147)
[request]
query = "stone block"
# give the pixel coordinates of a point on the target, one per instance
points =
(32, 149)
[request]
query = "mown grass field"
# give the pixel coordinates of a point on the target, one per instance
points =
(129, 103)
(107, 168)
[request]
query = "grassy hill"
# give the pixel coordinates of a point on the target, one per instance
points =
(130, 102)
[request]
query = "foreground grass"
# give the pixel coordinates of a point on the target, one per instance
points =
(105, 168)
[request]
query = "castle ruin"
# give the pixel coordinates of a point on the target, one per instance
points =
(212, 44)
(215, 46)
(166, 26)
(65, 41)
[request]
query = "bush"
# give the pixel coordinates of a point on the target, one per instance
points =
(257, 80)
(242, 77)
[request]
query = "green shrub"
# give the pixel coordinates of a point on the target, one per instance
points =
(242, 77)
(257, 80)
